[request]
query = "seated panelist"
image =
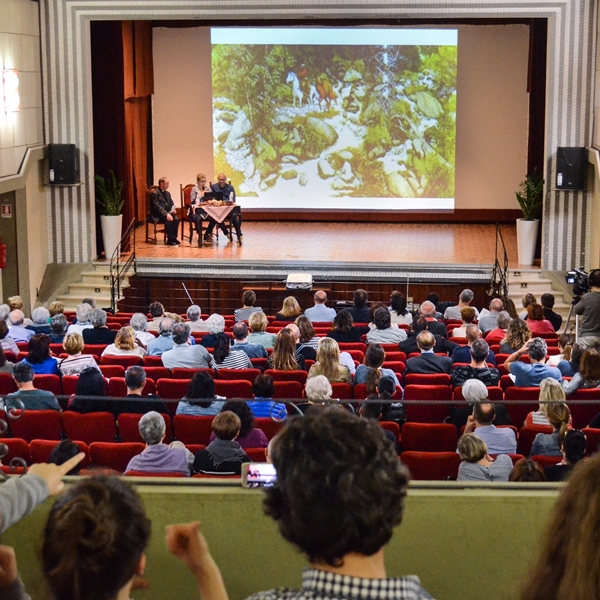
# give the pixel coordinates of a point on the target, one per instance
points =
(162, 210)
(195, 213)
(228, 192)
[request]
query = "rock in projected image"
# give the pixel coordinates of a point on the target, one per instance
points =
(346, 121)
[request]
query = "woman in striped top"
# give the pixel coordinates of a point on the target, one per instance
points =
(76, 361)
(226, 358)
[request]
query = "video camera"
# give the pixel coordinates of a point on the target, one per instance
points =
(579, 279)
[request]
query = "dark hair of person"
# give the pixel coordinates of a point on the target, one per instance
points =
(59, 324)
(263, 386)
(62, 452)
(434, 298)
(222, 348)
(594, 278)
(419, 323)
(135, 377)
(509, 307)
(244, 412)
(95, 536)
(574, 446)
(201, 388)
(386, 387)
(248, 298)
(375, 306)
(360, 298)
(576, 353)
(382, 318)
(374, 357)
(343, 321)
(2, 357)
(23, 372)
(565, 341)
(307, 331)
(39, 348)
(398, 303)
(3, 329)
(589, 366)
(527, 470)
(334, 496)
(371, 409)
(547, 300)
(91, 382)
(156, 309)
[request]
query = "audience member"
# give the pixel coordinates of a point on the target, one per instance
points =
(263, 405)
(527, 471)
(495, 336)
(307, 337)
(398, 311)
(40, 358)
(427, 361)
(384, 333)
(99, 333)
(201, 399)
(183, 354)
(248, 300)
(489, 321)
(573, 451)
(194, 322)
(440, 307)
(535, 319)
(250, 436)
(373, 409)
(17, 331)
(7, 343)
(75, 362)
(164, 341)
(360, 310)
(240, 342)
(319, 312)
(318, 388)
(510, 308)
(465, 299)
(589, 310)
(371, 371)
(569, 366)
(56, 308)
(157, 311)
(4, 312)
(90, 393)
(83, 313)
(215, 325)
(284, 357)
(40, 316)
(517, 335)
(157, 456)
(139, 322)
(63, 451)
(427, 310)
(481, 422)
(224, 454)
(550, 391)
(5, 365)
(462, 354)
(409, 345)
(258, 324)
(467, 315)
(588, 375)
(344, 330)
(531, 375)
(477, 464)
(91, 301)
(549, 444)
(565, 346)
(478, 367)
(16, 303)
(30, 396)
(525, 302)
(290, 310)
(58, 327)
(547, 302)
(224, 358)
(328, 363)
(135, 402)
(125, 344)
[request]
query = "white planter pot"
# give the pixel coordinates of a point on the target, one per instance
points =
(526, 238)
(111, 233)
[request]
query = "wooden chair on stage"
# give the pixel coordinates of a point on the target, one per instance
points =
(155, 227)
(185, 192)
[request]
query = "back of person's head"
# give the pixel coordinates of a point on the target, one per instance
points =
(551, 390)
(248, 298)
(135, 378)
(577, 352)
(343, 321)
(56, 308)
(474, 390)
(307, 331)
(479, 350)
(125, 338)
(139, 321)
(419, 323)
(16, 317)
(527, 300)
(538, 349)
(360, 298)
(594, 278)
(258, 321)
(433, 298)
(472, 333)
(425, 340)
(340, 487)
(535, 312)
(180, 333)
(156, 309)
(39, 348)
(40, 315)
(98, 317)
(527, 470)
(73, 343)
(320, 297)
(226, 425)
(547, 300)
(318, 388)
(94, 540)
(240, 331)
(221, 348)
(386, 387)
(574, 446)
(518, 333)
(263, 386)
(471, 448)
(559, 416)
(374, 356)
(165, 327)
(64, 451)
(466, 296)
(83, 312)
(59, 324)
(290, 307)
(152, 428)
(202, 387)
(244, 413)
(427, 309)
(589, 366)
(15, 303)
(328, 356)
(90, 382)
(215, 323)
(467, 314)
(371, 409)
(382, 318)
(503, 320)
(484, 413)
(193, 312)
(565, 342)
(496, 305)
(398, 302)
(23, 372)
(91, 301)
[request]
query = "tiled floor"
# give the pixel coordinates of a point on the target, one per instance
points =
(353, 242)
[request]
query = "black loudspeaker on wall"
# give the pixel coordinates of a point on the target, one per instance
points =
(63, 164)
(571, 168)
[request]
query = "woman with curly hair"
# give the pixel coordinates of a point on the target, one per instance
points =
(517, 334)
(284, 357)
(328, 363)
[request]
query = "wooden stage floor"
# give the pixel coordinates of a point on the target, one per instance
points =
(405, 243)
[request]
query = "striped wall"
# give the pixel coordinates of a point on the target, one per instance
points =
(67, 96)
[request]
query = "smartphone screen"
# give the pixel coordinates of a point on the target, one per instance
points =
(258, 475)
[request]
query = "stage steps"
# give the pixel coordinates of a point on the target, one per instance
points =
(94, 283)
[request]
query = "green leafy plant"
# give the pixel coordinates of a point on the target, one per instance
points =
(530, 196)
(109, 195)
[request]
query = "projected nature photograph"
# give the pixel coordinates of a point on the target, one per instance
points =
(336, 121)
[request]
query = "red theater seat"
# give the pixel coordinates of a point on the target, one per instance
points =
(527, 435)
(592, 437)
(423, 412)
(114, 455)
(192, 430)
(427, 379)
(391, 426)
(50, 383)
(157, 373)
(236, 374)
(235, 388)
(95, 349)
(546, 461)
(154, 474)
(124, 361)
(277, 375)
(431, 466)
(360, 392)
(519, 411)
(112, 370)
(153, 361)
(270, 428)
(90, 427)
(287, 390)
(495, 393)
(38, 424)
(256, 454)
(429, 437)
(17, 448)
(40, 450)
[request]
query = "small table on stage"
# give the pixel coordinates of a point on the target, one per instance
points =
(217, 213)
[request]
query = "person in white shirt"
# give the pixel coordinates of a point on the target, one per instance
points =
(320, 312)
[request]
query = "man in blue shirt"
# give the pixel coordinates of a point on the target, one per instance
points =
(531, 375)
(481, 423)
(263, 406)
(320, 313)
(240, 335)
(236, 214)
(164, 341)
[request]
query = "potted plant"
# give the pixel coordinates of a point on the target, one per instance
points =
(109, 197)
(529, 197)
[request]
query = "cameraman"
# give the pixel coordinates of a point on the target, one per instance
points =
(589, 308)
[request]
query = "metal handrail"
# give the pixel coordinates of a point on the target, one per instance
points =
(118, 269)
(499, 279)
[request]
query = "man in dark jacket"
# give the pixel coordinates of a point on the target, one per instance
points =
(162, 210)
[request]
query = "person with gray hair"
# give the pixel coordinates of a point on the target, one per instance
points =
(4, 312)
(183, 354)
(158, 457)
(164, 341)
(465, 298)
(495, 336)
(40, 316)
(428, 311)
(477, 464)
(531, 375)
(318, 388)
(489, 320)
(478, 367)
(215, 325)
(193, 313)
(99, 333)
(139, 322)
(58, 328)
(17, 331)
(83, 312)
